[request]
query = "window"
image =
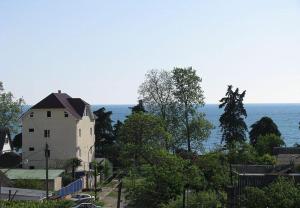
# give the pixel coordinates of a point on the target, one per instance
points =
(31, 148)
(49, 114)
(31, 114)
(91, 131)
(47, 133)
(79, 132)
(31, 167)
(31, 130)
(66, 114)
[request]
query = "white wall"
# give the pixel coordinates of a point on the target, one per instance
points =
(85, 141)
(62, 141)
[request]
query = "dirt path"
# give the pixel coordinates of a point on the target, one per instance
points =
(109, 195)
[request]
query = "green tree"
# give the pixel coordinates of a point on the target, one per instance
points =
(282, 193)
(232, 122)
(139, 108)
(104, 137)
(263, 127)
(17, 142)
(266, 144)
(157, 93)
(164, 177)
(10, 109)
(72, 163)
(140, 134)
(250, 198)
(189, 97)
(203, 199)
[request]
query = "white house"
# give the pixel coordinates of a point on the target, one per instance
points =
(5, 141)
(66, 124)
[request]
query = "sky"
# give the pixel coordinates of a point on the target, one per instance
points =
(101, 50)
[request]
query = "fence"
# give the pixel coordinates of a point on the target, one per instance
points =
(71, 188)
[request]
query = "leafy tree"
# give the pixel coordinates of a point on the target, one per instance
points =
(157, 93)
(164, 177)
(140, 134)
(232, 122)
(10, 109)
(282, 193)
(72, 163)
(266, 144)
(263, 127)
(250, 198)
(139, 108)
(189, 97)
(103, 131)
(215, 167)
(17, 142)
(203, 199)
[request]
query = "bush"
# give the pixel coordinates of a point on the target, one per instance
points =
(36, 204)
(282, 193)
(29, 184)
(266, 144)
(205, 199)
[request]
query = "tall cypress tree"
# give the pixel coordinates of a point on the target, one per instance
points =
(232, 122)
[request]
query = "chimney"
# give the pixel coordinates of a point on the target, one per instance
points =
(59, 91)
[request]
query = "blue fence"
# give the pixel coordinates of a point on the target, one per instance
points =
(71, 188)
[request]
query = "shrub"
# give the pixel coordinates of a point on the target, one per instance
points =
(29, 184)
(36, 204)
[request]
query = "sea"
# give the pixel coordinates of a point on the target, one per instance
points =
(286, 116)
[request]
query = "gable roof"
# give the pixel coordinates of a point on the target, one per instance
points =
(14, 174)
(75, 106)
(3, 133)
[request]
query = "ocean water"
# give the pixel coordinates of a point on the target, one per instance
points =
(286, 116)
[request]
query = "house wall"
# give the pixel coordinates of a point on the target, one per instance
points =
(85, 141)
(284, 159)
(62, 141)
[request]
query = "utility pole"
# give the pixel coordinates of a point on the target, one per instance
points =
(47, 154)
(119, 193)
(95, 179)
(183, 198)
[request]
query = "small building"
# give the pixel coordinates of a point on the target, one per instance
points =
(5, 141)
(22, 176)
(66, 124)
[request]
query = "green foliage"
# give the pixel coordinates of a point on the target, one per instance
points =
(17, 142)
(189, 97)
(176, 97)
(66, 178)
(10, 109)
(163, 180)
(29, 184)
(232, 122)
(215, 168)
(254, 198)
(107, 169)
(139, 108)
(283, 193)
(37, 204)
(141, 134)
(204, 199)
(103, 131)
(263, 127)
(244, 153)
(266, 144)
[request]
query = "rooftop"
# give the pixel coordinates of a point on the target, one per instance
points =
(39, 174)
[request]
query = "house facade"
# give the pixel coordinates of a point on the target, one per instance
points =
(66, 124)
